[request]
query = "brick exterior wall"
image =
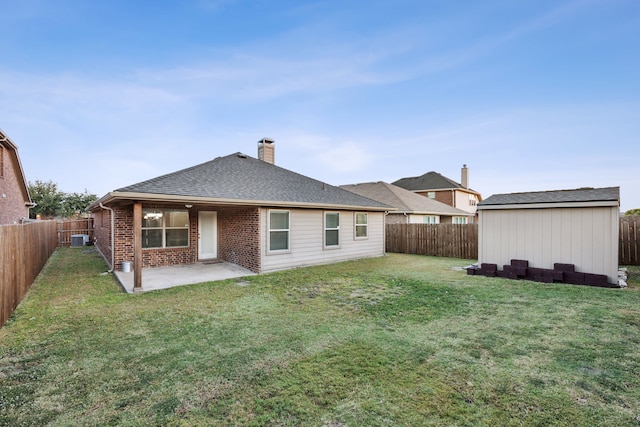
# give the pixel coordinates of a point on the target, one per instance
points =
(445, 197)
(102, 232)
(12, 198)
(123, 236)
(238, 237)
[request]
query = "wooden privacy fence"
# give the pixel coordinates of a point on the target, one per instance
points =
(629, 249)
(461, 240)
(71, 227)
(444, 240)
(24, 250)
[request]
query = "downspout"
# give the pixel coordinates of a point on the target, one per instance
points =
(113, 253)
(384, 234)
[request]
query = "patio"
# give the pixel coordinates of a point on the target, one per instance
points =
(157, 278)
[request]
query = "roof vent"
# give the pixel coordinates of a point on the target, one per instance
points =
(242, 156)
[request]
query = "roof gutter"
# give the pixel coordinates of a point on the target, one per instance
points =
(547, 205)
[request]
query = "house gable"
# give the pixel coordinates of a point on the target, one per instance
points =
(14, 191)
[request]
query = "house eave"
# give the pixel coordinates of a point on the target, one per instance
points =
(408, 212)
(587, 204)
(116, 196)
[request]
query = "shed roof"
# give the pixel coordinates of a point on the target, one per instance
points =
(242, 179)
(404, 200)
(430, 181)
(582, 196)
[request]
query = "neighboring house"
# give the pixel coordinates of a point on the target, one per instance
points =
(444, 190)
(411, 207)
(238, 209)
(15, 200)
(578, 227)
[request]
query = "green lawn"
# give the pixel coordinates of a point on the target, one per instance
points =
(400, 340)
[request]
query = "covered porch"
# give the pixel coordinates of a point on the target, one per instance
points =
(156, 278)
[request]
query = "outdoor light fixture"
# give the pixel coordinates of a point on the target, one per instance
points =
(153, 215)
(188, 206)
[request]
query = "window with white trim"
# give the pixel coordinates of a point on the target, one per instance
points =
(165, 228)
(430, 219)
(331, 229)
(279, 231)
(362, 225)
(459, 219)
(431, 194)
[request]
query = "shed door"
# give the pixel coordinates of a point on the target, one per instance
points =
(207, 235)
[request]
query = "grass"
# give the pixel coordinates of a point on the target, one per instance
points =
(400, 340)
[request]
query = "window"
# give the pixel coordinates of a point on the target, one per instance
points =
(430, 219)
(331, 229)
(473, 200)
(431, 194)
(362, 225)
(165, 229)
(278, 231)
(459, 219)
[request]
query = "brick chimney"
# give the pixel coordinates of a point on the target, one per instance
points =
(464, 180)
(267, 150)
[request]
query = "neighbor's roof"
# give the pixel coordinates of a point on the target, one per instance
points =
(403, 200)
(608, 196)
(430, 181)
(242, 180)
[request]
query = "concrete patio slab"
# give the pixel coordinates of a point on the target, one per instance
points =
(167, 277)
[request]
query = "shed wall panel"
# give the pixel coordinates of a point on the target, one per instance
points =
(585, 237)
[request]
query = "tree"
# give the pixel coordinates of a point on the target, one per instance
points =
(53, 203)
(47, 197)
(74, 204)
(632, 212)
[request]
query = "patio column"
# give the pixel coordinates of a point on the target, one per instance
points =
(137, 247)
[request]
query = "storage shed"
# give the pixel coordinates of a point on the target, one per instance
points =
(552, 228)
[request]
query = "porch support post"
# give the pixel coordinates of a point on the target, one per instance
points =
(137, 247)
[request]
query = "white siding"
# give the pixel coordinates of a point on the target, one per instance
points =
(419, 219)
(462, 202)
(585, 237)
(307, 243)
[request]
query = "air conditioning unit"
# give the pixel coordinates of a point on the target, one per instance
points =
(78, 240)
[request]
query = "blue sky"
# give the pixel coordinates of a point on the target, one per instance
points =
(531, 94)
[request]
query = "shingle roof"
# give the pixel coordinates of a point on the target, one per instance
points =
(429, 181)
(243, 178)
(403, 200)
(607, 194)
